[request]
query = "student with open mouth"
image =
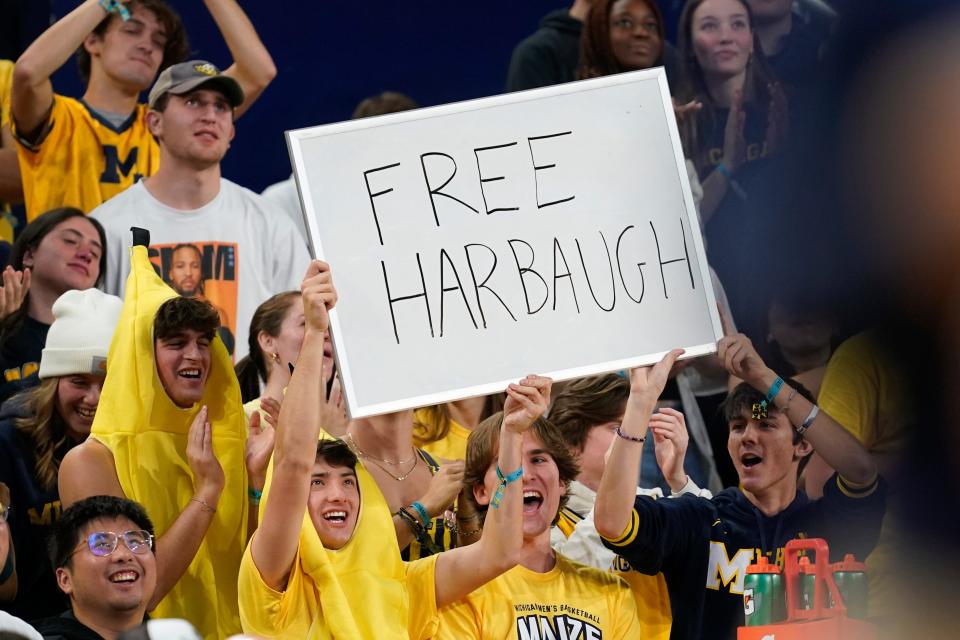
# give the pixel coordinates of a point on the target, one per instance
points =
(325, 562)
(703, 547)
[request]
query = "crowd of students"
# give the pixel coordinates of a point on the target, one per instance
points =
(174, 441)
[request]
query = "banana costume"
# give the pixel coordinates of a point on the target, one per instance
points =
(147, 434)
(363, 590)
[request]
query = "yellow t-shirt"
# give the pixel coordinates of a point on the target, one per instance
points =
(453, 446)
(6, 89)
(362, 590)
(571, 601)
(147, 434)
(864, 392)
(649, 592)
(81, 160)
(7, 222)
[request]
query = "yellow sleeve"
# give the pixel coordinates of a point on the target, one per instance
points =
(626, 618)
(459, 621)
(264, 611)
(850, 389)
(6, 90)
(57, 130)
(422, 593)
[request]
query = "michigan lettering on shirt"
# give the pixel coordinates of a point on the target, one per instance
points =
(25, 370)
(555, 622)
(46, 514)
(81, 159)
(729, 572)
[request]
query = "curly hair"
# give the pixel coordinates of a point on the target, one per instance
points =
(179, 314)
(176, 49)
(482, 448)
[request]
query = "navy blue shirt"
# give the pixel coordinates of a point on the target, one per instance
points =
(20, 357)
(34, 511)
(703, 547)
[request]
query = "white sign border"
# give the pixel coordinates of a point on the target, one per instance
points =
(297, 136)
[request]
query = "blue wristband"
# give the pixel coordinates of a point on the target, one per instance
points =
(504, 481)
(115, 6)
(421, 511)
(254, 495)
(760, 408)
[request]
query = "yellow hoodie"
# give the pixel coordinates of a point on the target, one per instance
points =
(147, 434)
(363, 590)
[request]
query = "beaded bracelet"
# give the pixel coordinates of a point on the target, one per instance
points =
(115, 6)
(630, 438)
(504, 481)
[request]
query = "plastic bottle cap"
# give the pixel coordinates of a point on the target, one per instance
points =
(763, 566)
(849, 564)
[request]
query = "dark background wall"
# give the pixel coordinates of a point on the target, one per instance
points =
(333, 53)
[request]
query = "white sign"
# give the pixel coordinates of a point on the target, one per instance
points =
(548, 231)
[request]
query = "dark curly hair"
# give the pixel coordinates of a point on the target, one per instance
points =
(179, 314)
(66, 533)
(176, 50)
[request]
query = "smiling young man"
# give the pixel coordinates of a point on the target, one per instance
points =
(546, 595)
(170, 432)
(83, 152)
(103, 552)
(325, 562)
(248, 249)
(703, 547)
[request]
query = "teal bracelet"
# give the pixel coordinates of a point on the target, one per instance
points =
(115, 6)
(760, 408)
(254, 495)
(422, 512)
(504, 481)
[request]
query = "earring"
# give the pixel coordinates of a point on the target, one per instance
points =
(275, 357)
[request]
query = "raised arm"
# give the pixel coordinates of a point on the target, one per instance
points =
(89, 470)
(32, 91)
(252, 65)
(274, 545)
(618, 486)
(838, 448)
(461, 570)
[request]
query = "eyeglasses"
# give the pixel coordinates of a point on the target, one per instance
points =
(103, 543)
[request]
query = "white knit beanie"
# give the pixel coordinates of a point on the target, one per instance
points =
(79, 338)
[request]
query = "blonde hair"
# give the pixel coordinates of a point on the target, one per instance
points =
(46, 430)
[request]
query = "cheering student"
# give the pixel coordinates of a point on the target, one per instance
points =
(703, 547)
(323, 563)
(82, 152)
(170, 432)
(546, 595)
(40, 425)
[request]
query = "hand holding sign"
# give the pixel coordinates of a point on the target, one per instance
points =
(319, 296)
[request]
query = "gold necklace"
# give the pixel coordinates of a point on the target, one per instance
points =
(377, 461)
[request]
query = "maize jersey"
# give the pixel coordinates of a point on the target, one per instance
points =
(81, 160)
(571, 601)
(362, 590)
